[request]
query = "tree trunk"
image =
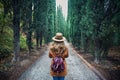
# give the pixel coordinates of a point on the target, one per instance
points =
(86, 47)
(41, 36)
(96, 59)
(37, 39)
(2, 29)
(29, 34)
(82, 40)
(29, 39)
(16, 29)
(97, 45)
(98, 50)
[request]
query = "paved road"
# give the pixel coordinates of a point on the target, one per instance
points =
(77, 69)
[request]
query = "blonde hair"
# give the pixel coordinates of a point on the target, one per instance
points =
(58, 47)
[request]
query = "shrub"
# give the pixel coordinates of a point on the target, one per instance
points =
(23, 45)
(6, 43)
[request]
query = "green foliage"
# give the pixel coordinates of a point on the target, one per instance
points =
(51, 11)
(74, 23)
(23, 45)
(6, 43)
(94, 24)
(1, 5)
(26, 21)
(4, 51)
(6, 37)
(60, 24)
(7, 5)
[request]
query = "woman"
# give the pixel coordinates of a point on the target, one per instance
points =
(58, 49)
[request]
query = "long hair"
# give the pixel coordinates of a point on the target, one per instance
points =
(58, 47)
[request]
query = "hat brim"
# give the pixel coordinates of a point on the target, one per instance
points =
(57, 40)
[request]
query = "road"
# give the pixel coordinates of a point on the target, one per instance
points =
(77, 69)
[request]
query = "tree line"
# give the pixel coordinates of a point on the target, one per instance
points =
(91, 25)
(94, 25)
(34, 18)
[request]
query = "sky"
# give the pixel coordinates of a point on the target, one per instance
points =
(64, 4)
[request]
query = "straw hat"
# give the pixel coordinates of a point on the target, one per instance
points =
(58, 38)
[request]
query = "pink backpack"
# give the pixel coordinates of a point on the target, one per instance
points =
(58, 65)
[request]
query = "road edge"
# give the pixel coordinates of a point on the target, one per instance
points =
(90, 66)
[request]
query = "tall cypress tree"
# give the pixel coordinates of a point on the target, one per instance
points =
(26, 19)
(16, 28)
(87, 26)
(74, 15)
(35, 21)
(29, 25)
(38, 22)
(51, 11)
(60, 24)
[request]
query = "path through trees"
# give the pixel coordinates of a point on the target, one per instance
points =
(77, 69)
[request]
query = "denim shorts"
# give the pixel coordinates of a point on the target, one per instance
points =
(58, 78)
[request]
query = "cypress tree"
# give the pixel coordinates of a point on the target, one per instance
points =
(16, 28)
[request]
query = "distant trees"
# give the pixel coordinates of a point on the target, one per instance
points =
(60, 21)
(92, 25)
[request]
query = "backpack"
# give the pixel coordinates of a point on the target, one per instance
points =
(58, 65)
